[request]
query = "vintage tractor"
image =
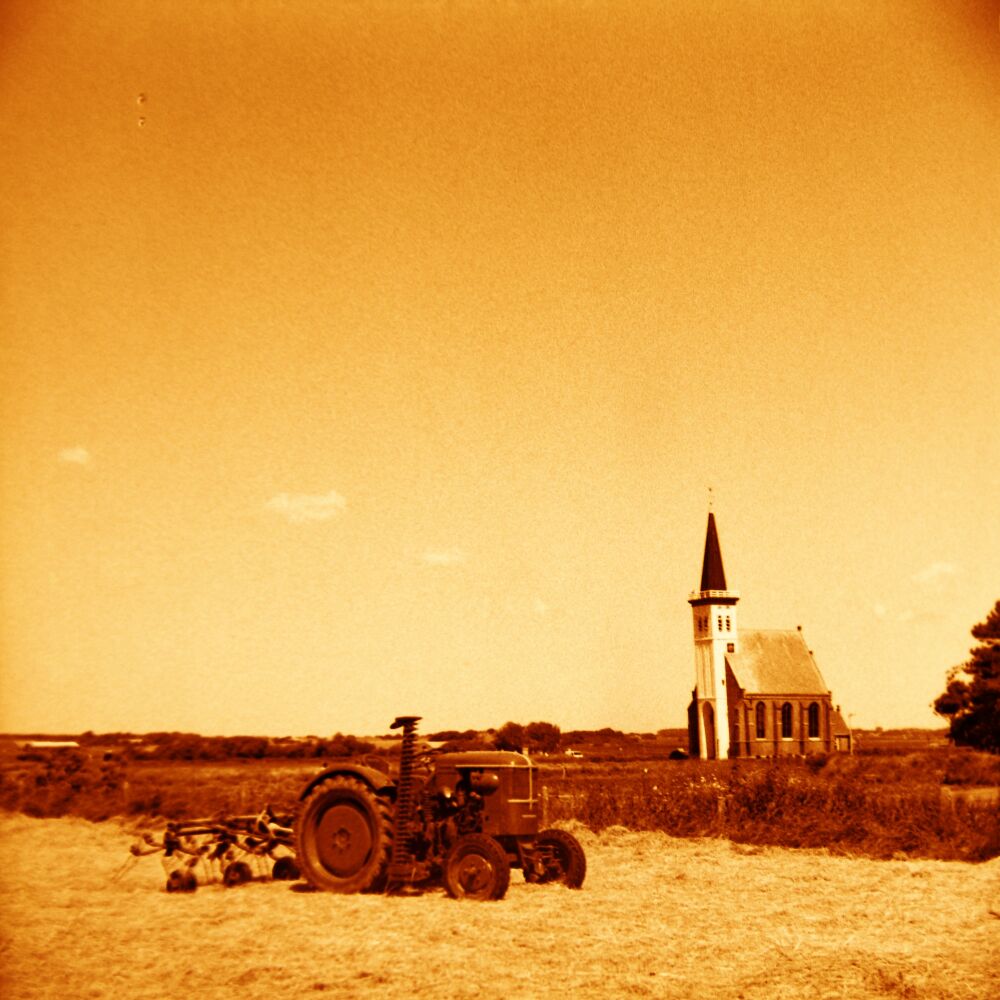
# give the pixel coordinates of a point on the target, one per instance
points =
(463, 819)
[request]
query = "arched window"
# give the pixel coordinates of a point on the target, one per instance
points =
(813, 721)
(786, 721)
(761, 720)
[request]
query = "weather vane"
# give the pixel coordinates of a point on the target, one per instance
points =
(710, 498)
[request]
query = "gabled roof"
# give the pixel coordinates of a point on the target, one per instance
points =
(837, 724)
(713, 576)
(775, 662)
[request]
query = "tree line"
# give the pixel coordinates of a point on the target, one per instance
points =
(192, 746)
(534, 737)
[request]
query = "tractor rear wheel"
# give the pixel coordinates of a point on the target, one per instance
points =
(476, 867)
(343, 836)
(560, 858)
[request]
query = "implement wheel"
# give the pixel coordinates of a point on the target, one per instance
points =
(558, 857)
(236, 873)
(181, 880)
(285, 869)
(343, 836)
(476, 867)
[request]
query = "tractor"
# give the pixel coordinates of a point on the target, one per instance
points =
(460, 819)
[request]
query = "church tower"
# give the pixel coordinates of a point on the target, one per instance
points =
(713, 608)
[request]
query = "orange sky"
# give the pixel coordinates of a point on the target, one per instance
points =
(370, 358)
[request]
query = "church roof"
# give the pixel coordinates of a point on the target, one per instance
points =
(837, 724)
(713, 576)
(775, 662)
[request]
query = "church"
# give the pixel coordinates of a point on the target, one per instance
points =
(765, 682)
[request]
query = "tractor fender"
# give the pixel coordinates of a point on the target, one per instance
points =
(377, 781)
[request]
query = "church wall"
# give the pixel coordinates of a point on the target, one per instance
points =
(743, 722)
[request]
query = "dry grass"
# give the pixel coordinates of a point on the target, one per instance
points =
(658, 917)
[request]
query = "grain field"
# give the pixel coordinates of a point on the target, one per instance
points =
(658, 917)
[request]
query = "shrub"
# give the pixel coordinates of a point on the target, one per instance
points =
(876, 811)
(65, 784)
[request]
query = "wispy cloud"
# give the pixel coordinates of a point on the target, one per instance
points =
(539, 607)
(444, 557)
(934, 573)
(923, 601)
(908, 616)
(928, 617)
(301, 507)
(75, 456)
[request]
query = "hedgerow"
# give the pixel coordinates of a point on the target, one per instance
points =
(788, 804)
(919, 805)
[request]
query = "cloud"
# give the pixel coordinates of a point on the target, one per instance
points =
(928, 617)
(301, 507)
(935, 573)
(443, 557)
(539, 607)
(75, 456)
(908, 616)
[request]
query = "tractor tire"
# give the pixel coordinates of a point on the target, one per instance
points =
(562, 858)
(236, 873)
(285, 869)
(476, 867)
(181, 880)
(343, 837)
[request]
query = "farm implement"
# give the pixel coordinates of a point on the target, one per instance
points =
(231, 849)
(458, 820)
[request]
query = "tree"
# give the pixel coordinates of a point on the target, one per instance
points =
(542, 736)
(971, 700)
(510, 736)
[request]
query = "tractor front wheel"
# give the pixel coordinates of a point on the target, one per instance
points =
(476, 867)
(558, 857)
(343, 836)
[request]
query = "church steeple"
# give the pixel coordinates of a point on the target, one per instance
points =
(713, 576)
(713, 608)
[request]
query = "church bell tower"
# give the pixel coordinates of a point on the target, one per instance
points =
(713, 609)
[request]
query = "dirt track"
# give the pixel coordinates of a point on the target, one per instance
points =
(657, 917)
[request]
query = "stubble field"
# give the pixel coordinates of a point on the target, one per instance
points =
(657, 917)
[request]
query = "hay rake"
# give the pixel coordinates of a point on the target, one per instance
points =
(230, 849)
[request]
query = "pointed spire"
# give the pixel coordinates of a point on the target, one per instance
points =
(713, 576)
